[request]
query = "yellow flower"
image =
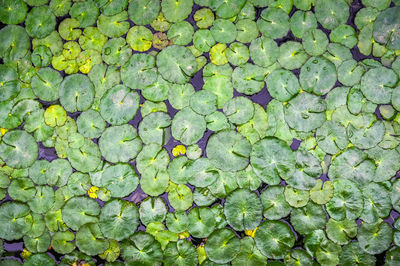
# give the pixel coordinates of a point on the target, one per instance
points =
(251, 232)
(179, 150)
(25, 253)
(92, 192)
(3, 131)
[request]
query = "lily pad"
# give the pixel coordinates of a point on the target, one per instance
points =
(222, 246)
(187, 126)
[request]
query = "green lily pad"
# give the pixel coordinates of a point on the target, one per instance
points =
(274, 203)
(16, 220)
(116, 52)
(352, 253)
(176, 64)
(90, 124)
(272, 159)
(222, 246)
(374, 238)
(142, 249)
(274, 239)
(79, 211)
(273, 23)
(120, 143)
(139, 71)
(188, 127)
(282, 85)
(318, 75)
(154, 181)
(18, 149)
(305, 112)
(113, 26)
(155, 128)
(243, 210)
(228, 150)
(223, 31)
(13, 12)
(40, 22)
(221, 86)
(76, 93)
(45, 84)
(14, 42)
(292, 55)
(301, 22)
(39, 259)
(152, 209)
(139, 38)
(180, 197)
(180, 253)
(152, 155)
(144, 11)
(85, 12)
(85, 158)
(341, 232)
(201, 172)
(385, 27)
(347, 201)
(239, 110)
(38, 244)
(264, 51)
(118, 219)
(62, 243)
(331, 13)
(321, 194)
(378, 84)
(43, 200)
(90, 240)
(175, 11)
(201, 222)
(120, 179)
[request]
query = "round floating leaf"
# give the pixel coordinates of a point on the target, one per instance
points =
(15, 42)
(90, 240)
(85, 158)
(273, 23)
(292, 55)
(15, 220)
(39, 259)
(282, 85)
(274, 239)
(228, 150)
(119, 105)
(180, 197)
(175, 63)
(154, 181)
(376, 202)
(139, 71)
(139, 38)
(45, 84)
(378, 84)
(9, 83)
(43, 200)
(188, 127)
(155, 128)
(308, 218)
(331, 13)
(386, 26)
(248, 79)
(76, 93)
(85, 12)
(62, 243)
(79, 211)
(347, 201)
(13, 11)
(120, 143)
(318, 75)
(22, 189)
(37, 172)
(239, 110)
(203, 102)
(152, 155)
(274, 203)
(201, 172)
(90, 124)
(301, 22)
(295, 197)
(18, 149)
(180, 253)
(374, 238)
(152, 209)
(332, 137)
(222, 246)
(115, 25)
(272, 159)
(143, 12)
(175, 11)
(264, 51)
(55, 115)
(119, 219)
(223, 31)
(38, 244)
(352, 254)
(201, 222)
(221, 86)
(353, 164)
(315, 42)
(40, 22)
(120, 179)
(341, 232)
(321, 194)
(243, 210)
(142, 249)
(305, 112)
